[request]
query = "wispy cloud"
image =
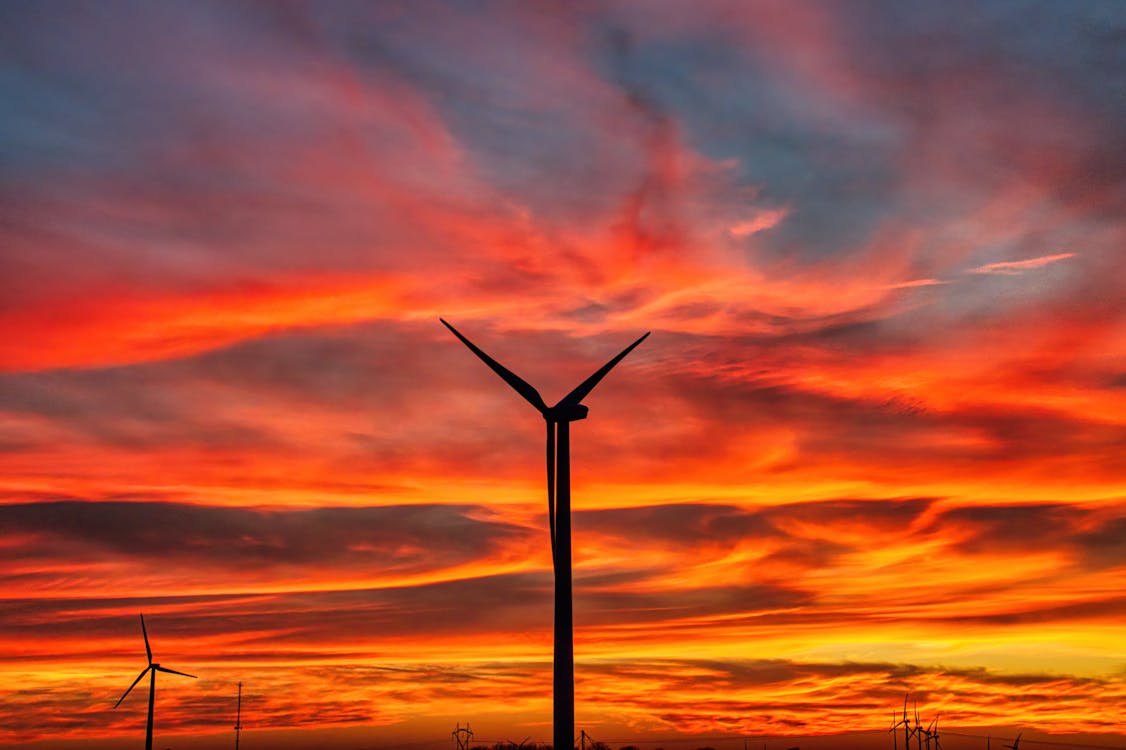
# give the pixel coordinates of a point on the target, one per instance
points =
(1014, 267)
(763, 221)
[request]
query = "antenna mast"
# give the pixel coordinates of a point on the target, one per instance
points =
(238, 716)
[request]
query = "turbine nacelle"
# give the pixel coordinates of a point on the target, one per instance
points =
(563, 412)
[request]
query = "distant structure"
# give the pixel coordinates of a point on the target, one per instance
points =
(586, 741)
(930, 734)
(462, 736)
(238, 716)
(558, 419)
(151, 670)
(905, 722)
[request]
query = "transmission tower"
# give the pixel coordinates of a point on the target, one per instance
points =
(462, 736)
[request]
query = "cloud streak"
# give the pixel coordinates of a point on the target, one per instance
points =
(1020, 266)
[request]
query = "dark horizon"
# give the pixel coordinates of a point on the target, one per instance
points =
(952, 739)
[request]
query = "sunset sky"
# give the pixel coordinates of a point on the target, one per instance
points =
(875, 444)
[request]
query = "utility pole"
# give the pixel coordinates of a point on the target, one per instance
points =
(238, 716)
(462, 735)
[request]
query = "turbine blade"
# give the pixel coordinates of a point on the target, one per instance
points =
(521, 386)
(145, 633)
(173, 671)
(576, 396)
(142, 674)
(551, 487)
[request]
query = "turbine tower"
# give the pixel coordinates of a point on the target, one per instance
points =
(905, 723)
(558, 419)
(151, 669)
(930, 734)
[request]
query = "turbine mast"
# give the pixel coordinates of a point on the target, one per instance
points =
(152, 698)
(238, 716)
(564, 660)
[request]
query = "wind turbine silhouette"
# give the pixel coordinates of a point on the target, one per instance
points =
(151, 669)
(558, 418)
(1016, 742)
(930, 733)
(905, 723)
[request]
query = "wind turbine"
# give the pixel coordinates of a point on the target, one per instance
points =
(151, 669)
(905, 723)
(558, 419)
(931, 732)
(1016, 742)
(934, 734)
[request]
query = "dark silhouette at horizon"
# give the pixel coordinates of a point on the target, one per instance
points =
(151, 669)
(905, 722)
(238, 716)
(557, 418)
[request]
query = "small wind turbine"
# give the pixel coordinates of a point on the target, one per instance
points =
(1016, 742)
(918, 727)
(906, 724)
(558, 418)
(934, 734)
(151, 669)
(929, 732)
